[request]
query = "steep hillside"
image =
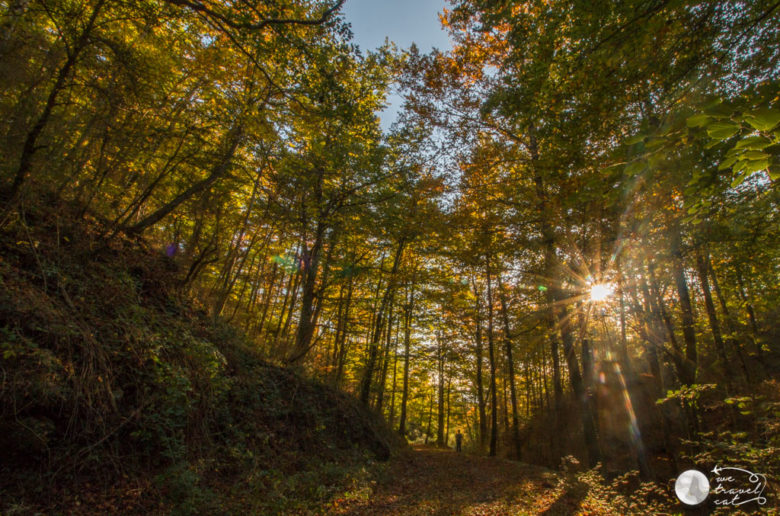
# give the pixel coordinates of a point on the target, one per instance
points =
(117, 393)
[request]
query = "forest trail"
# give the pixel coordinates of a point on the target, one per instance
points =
(428, 481)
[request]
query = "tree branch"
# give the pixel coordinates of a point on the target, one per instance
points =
(198, 6)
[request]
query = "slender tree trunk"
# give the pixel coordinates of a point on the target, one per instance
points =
(701, 266)
(387, 299)
(751, 316)
(391, 417)
(548, 237)
(678, 359)
(440, 389)
(430, 419)
(407, 348)
(231, 144)
(268, 296)
(255, 279)
(587, 378)
(341, 344)
(383, 376)
(284, 313)
(732, 336)
(290, 310)
(226, 280)
(30, 145)
(244, 284)
(310, 259)
(588, 424)
(686, 309)
(479, 354)
(332, 355)
(447, 426)
(505, 402)
(543, 384)
(511, 372)
(527, 382)
(650, 332)
(492, 360)
(623, 349)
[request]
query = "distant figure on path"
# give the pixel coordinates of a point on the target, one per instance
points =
(458, 441)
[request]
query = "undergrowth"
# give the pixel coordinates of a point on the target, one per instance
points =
(118, 394)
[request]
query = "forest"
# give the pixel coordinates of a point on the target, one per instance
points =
(226, 288)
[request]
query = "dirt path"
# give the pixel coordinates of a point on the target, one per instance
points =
(429, 481)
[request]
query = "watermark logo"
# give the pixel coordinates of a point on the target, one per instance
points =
(729, 487)
(692, 487)
(737, 486)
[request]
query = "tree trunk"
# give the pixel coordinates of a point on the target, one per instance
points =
(623, 349)
(407, 347)
(391, 417)
(267, 297)
(479, 353)
(440, 389)
(492, 360)
(548, 238)
(30, 145)
(430, 419)
(678, 359)
(383, 376)
(587, 378)
(751, 316)
(310, 262)
(686, 309)
(231, 143)
(701, 266)
(649, 323)
(588, 424)
(511, 371)
(447, 425)
(341, 344)
(387, 299)
(732, 336)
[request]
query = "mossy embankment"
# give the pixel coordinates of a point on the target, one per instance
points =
(118, 394)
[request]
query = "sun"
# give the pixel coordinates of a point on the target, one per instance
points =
(600, 291)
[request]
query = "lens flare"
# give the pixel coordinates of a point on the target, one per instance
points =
(600, 291)
(633, 426)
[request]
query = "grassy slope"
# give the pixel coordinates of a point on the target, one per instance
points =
(117, 394)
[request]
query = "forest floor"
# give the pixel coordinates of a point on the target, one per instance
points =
(434, 481)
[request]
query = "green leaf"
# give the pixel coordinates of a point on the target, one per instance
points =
(753, 143)
(774, 173)
(722, 130)
(738, 180)
(764, 120)
(753, 155)
(639, 138)
(756, 165)
(773, 149)
(740, 166)
(698, 120)
(727, 163)
(720, 110)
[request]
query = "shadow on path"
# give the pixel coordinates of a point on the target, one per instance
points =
(442, 482)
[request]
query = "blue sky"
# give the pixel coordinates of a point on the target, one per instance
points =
(401, 21)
